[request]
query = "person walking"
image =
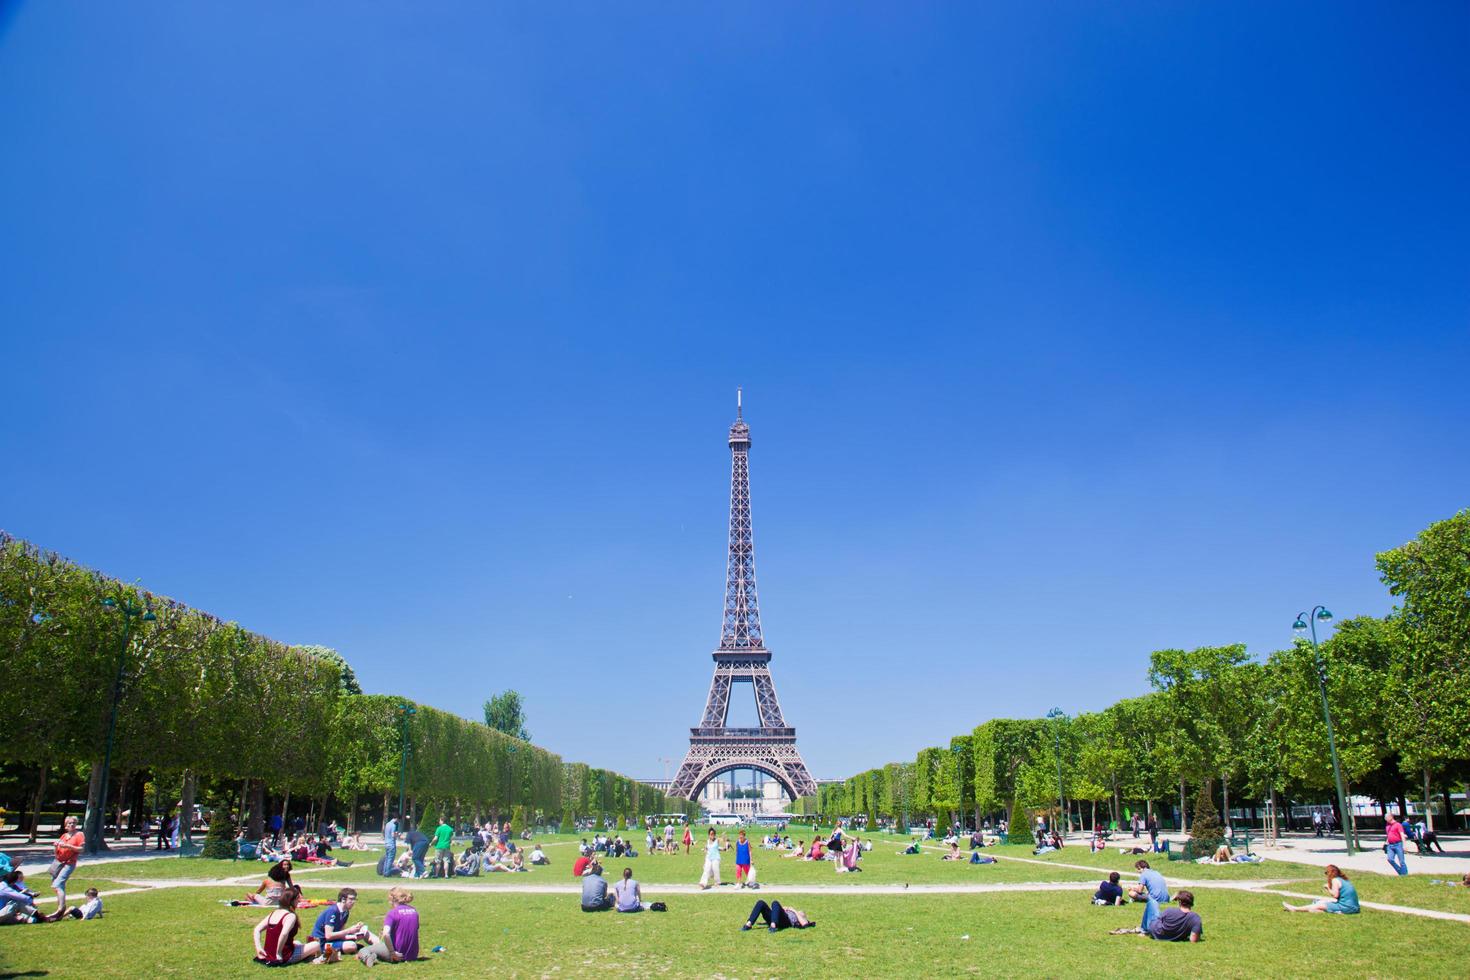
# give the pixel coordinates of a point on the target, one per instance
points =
(1317, 823)
(689, 838)
(68, 848)
(443, 857)
(1394, 849)
(711, 862)
(1153, 833)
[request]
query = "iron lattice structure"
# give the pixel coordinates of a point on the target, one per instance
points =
(742, 658)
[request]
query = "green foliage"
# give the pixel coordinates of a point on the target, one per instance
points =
(505, 712)
(347, 676)
(517, 820)
(219, 841)
(568, 822)
(1206, 832)
(1020, 825)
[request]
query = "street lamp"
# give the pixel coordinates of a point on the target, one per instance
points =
(1056, 715)
(1305, 621)
(405, 711)
(97, 821)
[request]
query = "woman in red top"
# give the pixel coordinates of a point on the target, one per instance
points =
(68, 849)
(278, 945)
(688, 839)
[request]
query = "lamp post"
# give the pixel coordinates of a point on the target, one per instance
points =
(1056, 715)
(405, 711)
(1304, 621)
(97, 821)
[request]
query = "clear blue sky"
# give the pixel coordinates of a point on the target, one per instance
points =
(1068, 332)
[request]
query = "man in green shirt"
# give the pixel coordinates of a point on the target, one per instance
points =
(442, 836)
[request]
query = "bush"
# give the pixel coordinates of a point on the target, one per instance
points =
(219, 842)
(1020, 825)
(517, 820)
(568, 823)
(1206, 834)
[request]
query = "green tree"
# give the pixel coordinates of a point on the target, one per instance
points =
(348, 677)
(506, 713)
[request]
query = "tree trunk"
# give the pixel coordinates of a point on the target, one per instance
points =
(117, 806)
(1428, 812)
(244, 794)
(1183, 813)
(255, 823)
(186, 809)
(96, 821)
(1225, 789)
(37, 803)
(285, 807)
(385, 809)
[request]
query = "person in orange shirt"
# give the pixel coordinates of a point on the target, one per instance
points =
(68, 849)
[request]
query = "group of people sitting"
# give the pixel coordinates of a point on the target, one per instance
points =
(1047, 842)
(18, 903)
(331, 936)
(614, 846)
(304, 848)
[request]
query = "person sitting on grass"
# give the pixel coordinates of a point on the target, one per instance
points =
(332, 933)
(1223, 855)
(797, 852)
(1151, 890)
(847, 859)
(90, 909)
(1174, 925)
(913, 847)
(595, 897)
(400, 942)
(277, 880)
(1344, 895)
(777, 918)
(538, 856)
(954, 853)
(817, 851)
(17, 902)
(1109, 892)
(628, 894)
(469, 864)
(275, 935)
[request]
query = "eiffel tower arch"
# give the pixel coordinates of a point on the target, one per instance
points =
(742, 658)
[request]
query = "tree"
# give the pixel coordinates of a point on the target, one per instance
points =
(1207, 834)
(505, 712)
(1428, 706)
(1020, 825)
(348, 676)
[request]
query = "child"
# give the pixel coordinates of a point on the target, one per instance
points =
(90, 909)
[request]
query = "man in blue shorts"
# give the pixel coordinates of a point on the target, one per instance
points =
(331, 929)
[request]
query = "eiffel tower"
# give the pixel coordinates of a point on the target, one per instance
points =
(742, 658)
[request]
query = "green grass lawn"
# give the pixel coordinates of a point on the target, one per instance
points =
(1412, 890)
(1186, 870)
(185, 932)
(882, 865)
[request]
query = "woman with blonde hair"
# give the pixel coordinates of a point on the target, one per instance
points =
(400, 942)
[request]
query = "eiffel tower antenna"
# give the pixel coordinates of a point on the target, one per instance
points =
(742, 658)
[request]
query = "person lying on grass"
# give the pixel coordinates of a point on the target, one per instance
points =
(777, 918)
(1174, 925)
(275, 935)
(331, 931)
(1344, 895)
(977, 858)
(400, 941)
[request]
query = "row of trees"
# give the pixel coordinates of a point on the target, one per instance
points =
(1240, 732)
(211, 710)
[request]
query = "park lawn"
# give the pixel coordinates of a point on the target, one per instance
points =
(882, 866)
(1412, 890)
(185, 932)
(1111, 860)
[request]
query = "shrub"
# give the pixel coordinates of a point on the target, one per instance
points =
(219, 841)
(1206, 834)
(1020, 832)
(517, 820)
(568, 822)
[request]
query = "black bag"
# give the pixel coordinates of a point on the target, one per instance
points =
(657, 907)
(385, 865)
